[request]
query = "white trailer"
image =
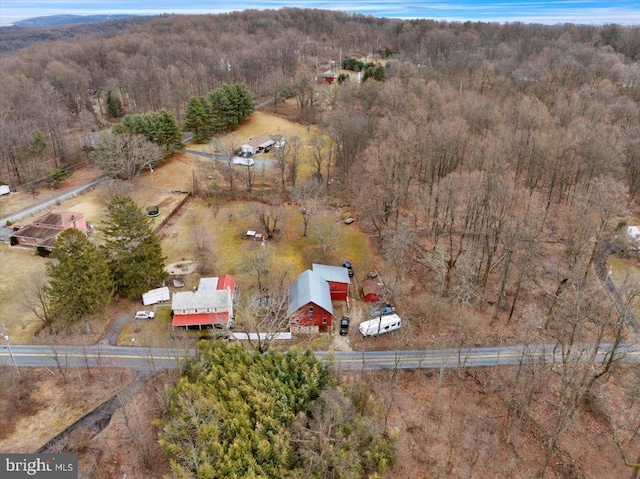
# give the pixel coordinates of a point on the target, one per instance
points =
(4, 190)
(380, 325)
(241, 160)
(157, 295)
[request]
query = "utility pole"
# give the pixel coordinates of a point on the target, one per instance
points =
(6, 338)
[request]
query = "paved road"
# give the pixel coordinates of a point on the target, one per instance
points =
(156, 359)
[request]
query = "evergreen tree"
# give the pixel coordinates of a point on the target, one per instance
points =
(134, 253)
(244, 415)
(196, 118)
(80, 285)
(114, 105)
(244, 105)
(167, 130)
(37, 145)
(159, 127)
(222, 112)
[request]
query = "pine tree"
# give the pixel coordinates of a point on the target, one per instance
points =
(222, 112)
(159, 127)
(114, 105)
(244, 106)
(167, 131)
(196, 118)
(134, 253)
(80, 285)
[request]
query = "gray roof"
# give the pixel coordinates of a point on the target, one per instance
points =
(208, 284)
(200, 300)
(335, 274)
(309, 287)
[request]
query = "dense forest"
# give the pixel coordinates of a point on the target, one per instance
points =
(493, 164)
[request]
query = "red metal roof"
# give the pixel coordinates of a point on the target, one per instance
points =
(200, 319)
(226, 281)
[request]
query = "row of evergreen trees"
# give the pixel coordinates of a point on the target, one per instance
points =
(159, 127)
(85, 277)
(221, 109)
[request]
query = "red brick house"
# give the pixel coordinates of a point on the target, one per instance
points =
(43, 232)
(209, 305)
(338, 279)
(309, 302)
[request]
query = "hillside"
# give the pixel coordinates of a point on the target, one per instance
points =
(492, 167)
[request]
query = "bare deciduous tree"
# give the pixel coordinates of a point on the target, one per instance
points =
(227, 147)
(267, 216)
(124, 155)
(326, 234)
(36, 300)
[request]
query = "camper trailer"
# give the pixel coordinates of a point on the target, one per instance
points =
(381, 325)
(157, 295)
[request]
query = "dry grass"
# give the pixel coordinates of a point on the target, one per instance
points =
(61, 400)
(625, 274)
(154, 334)
(18, 266)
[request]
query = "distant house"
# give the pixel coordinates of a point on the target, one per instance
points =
(43, 232)
(263, 143)
(634, 232)
(338, 279)
(208, 305)
(326, 78)
(371, 290)
(309, 302)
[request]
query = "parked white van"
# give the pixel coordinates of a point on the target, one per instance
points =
(384, 324)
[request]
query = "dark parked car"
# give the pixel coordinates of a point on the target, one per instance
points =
(344, 326)
(347, 264)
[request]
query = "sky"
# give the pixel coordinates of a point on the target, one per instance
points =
(594, 12)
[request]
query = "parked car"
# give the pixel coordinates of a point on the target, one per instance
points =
(347, 264)
(145, 315)
(344, 326)
(383, 311)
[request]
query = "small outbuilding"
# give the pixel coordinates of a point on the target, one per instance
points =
(338, 279)
(371, 290)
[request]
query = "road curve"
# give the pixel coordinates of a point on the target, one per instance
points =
(157, 359)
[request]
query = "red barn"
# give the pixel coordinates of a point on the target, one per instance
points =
(338, 279)
(309, 302)
(371, 290)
